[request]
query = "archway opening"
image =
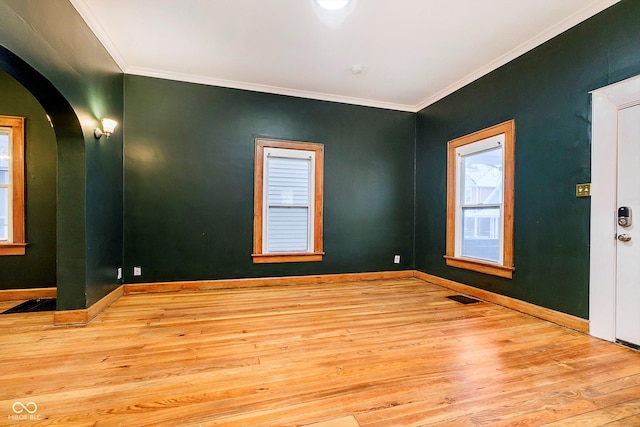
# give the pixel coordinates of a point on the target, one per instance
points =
(70, 187)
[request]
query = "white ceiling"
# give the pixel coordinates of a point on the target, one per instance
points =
(412, 52)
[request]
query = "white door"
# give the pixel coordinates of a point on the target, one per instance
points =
(627, 323)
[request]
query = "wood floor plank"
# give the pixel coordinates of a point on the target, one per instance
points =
(6, 305)
(619, 412)
(632, 421)
(349, 421)
(373, 353)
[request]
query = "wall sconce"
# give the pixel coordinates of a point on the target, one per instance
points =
(108, 126)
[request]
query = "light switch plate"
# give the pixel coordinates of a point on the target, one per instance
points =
(583, 190)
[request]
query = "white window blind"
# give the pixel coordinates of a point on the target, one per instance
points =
(288, 192)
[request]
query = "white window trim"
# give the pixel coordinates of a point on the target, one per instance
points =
(288, 154)
(9, 132)
(463, 151)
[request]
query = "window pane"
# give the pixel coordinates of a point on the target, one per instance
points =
(483, 177)
(287, 229)
(469, 226)
(288, 181)
(4, 214)
(484, 227)
(481, 236)
(4, 158)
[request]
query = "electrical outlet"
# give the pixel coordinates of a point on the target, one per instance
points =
(137, 271)
(119, 273)
(396, 259)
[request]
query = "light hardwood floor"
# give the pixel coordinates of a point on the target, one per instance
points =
(377, 353)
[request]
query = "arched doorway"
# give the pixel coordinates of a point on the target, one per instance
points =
(70, 188)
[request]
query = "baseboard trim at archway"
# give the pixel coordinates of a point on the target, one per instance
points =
(27, 294)
(84, 316)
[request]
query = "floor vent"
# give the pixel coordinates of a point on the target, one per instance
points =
(33, 305)
(463, 299)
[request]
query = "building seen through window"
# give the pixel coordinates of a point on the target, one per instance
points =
(481, 206)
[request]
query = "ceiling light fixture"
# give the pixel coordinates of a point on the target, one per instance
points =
(332, 13)
(333, 4)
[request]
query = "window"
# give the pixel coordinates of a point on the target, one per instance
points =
(12, 237)
(288, 201)
(480, 181)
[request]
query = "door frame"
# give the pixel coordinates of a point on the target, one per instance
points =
(606, 102)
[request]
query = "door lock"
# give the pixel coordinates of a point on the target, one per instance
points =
(624, 237)
(624, 216)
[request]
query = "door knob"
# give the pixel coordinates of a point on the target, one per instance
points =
(624, 237)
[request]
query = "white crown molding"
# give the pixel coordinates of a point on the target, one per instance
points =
(267, 89)
(94, 25)
(592, 9)
(573, 20)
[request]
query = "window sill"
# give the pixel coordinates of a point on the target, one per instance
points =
(291, 257)
(481, 267)
(13, 248)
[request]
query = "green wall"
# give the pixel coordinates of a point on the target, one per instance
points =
(49, 49)
(189, 156)
(546, 91)
(188, 175)
(38, 267)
